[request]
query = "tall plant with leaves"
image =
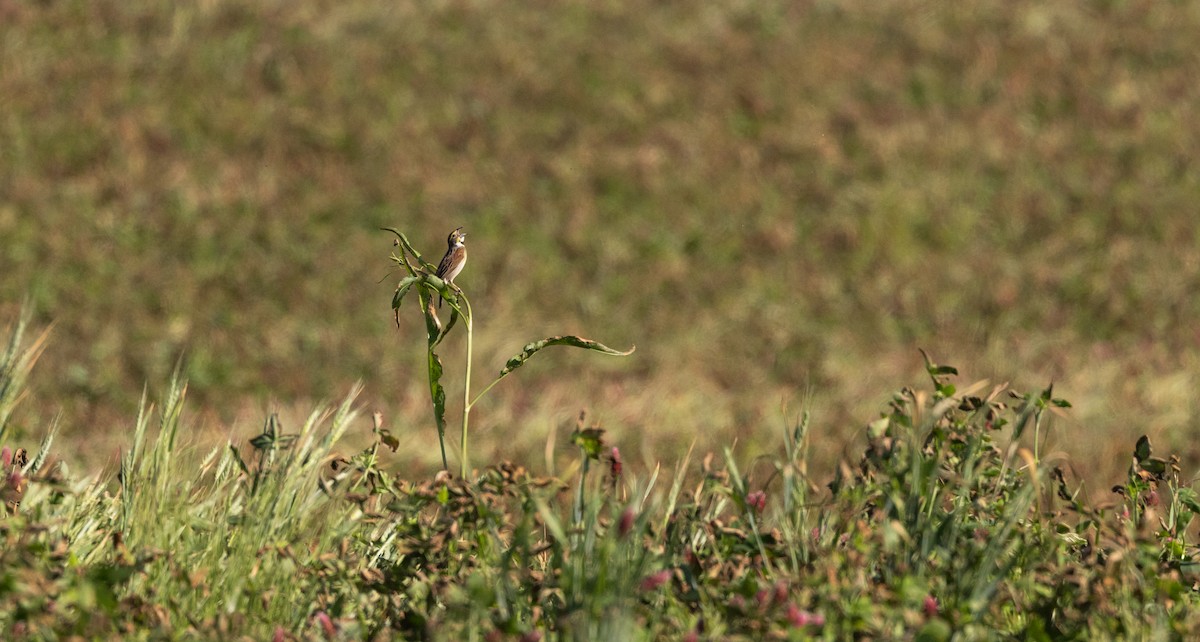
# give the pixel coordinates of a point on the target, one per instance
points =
(422, 276)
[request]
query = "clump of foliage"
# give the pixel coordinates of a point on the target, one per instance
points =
(423, 276)
(947, 526)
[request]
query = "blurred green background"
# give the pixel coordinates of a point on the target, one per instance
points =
(777, 202)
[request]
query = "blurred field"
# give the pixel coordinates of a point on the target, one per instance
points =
(777, 202)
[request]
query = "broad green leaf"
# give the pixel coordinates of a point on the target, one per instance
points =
(402, 289)
(437, 392)
(578, 342)
(454, 315)
(1188, 498)
(1141, 451)
(1154, 465)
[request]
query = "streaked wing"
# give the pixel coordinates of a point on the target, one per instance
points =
(451, 265)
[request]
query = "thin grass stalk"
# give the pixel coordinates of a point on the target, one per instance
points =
(129, 476)
(795, 493)
(1037, 437)
(739, 487)
(676, 487)
(986, 584)
(15, 366)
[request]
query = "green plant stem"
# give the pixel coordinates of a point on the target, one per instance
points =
(485, 391)
(463, 464)
(577, 514)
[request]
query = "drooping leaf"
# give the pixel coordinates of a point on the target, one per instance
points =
(433, 325)
(389, 439)
(1154, 466)
(432, 286)
(934, 369)
(237, 459)
(454, 316)
(437, 392)
(1060, 481)
(578, 342)
(402, 289)
(1141, 451)
(1028, 410)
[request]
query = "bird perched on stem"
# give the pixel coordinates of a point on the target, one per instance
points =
(455, 259)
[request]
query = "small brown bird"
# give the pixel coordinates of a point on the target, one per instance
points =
(455, 259)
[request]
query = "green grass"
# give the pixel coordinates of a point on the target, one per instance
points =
(946, 527)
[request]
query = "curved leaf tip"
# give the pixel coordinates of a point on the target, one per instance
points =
(568, 340)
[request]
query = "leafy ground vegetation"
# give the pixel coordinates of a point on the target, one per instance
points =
(778, 201)
(775, 200)
(945, 527)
